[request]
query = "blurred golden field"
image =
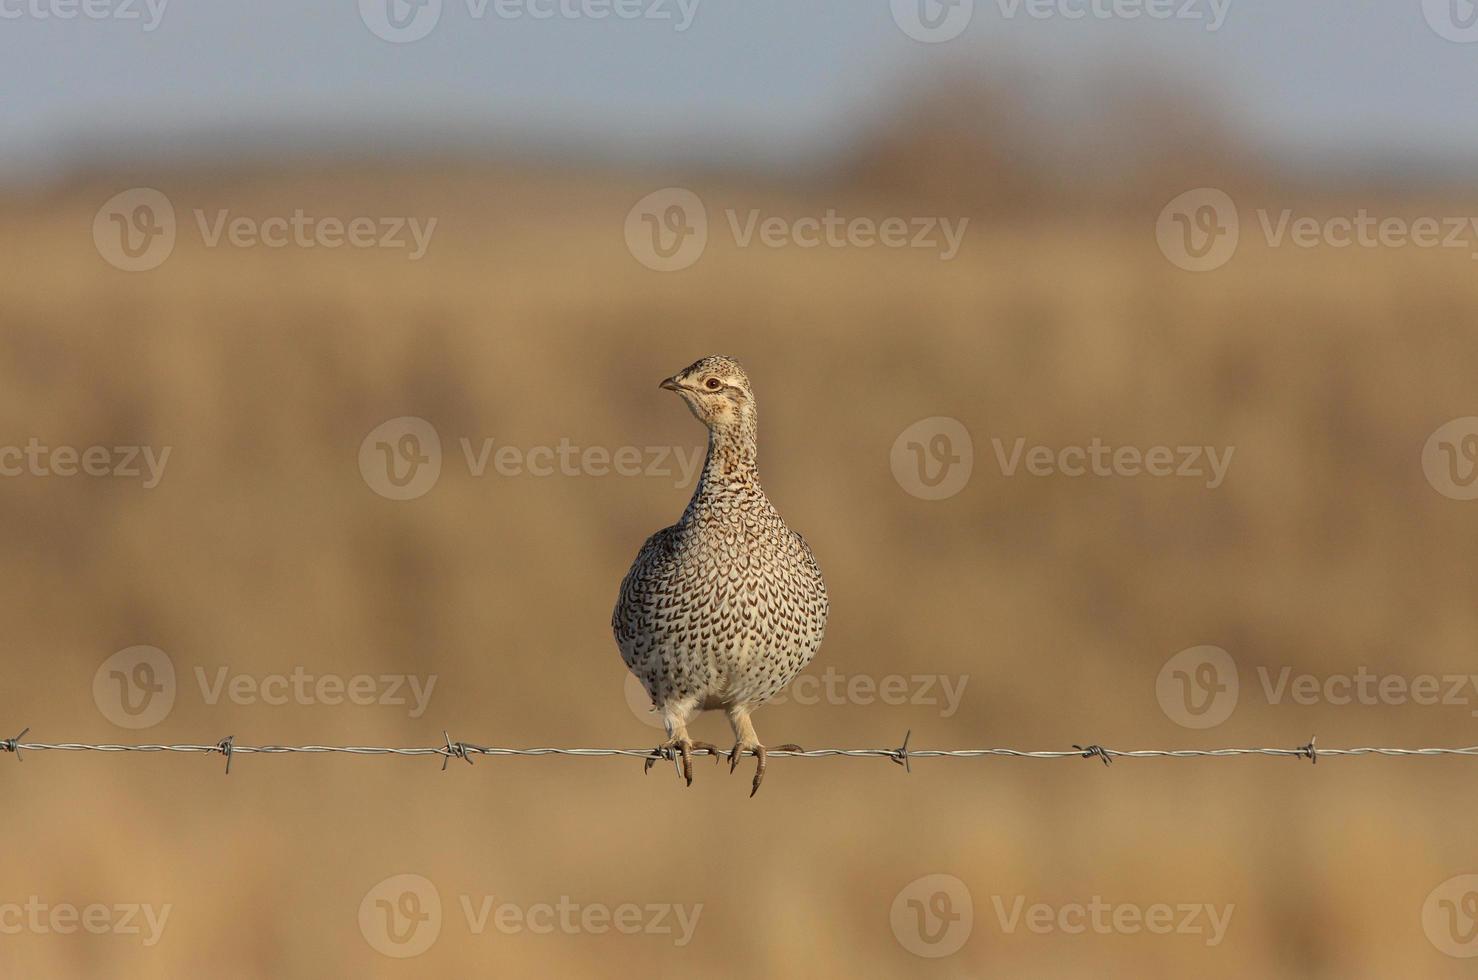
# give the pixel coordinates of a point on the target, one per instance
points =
(1054, 600)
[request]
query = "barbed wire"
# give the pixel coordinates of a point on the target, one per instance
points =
(902, 755)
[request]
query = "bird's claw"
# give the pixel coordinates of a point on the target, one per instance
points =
(680, 751)
(760, 754)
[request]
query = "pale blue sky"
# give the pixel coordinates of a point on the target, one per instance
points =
(761, 80)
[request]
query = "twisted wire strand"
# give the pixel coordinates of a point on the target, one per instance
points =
(902, 755)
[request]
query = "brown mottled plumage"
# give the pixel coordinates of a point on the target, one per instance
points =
(725, 607)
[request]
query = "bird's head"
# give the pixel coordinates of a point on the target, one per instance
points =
(717, 391)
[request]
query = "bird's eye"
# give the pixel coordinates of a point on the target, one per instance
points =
(713, 384)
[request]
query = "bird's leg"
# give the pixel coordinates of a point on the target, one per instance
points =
(678, 747)
(747, 741)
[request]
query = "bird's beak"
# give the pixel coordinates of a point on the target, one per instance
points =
(670, 384)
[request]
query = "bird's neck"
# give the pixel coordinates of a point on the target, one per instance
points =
(732, 463)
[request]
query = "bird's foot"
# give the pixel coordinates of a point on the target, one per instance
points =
(680, 750)
(759, 752)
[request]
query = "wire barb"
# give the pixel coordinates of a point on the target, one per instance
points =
(454, 750)
(1309, 750)
(14, 744)
(1089, 751)
(226, 746)
(900, 754)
